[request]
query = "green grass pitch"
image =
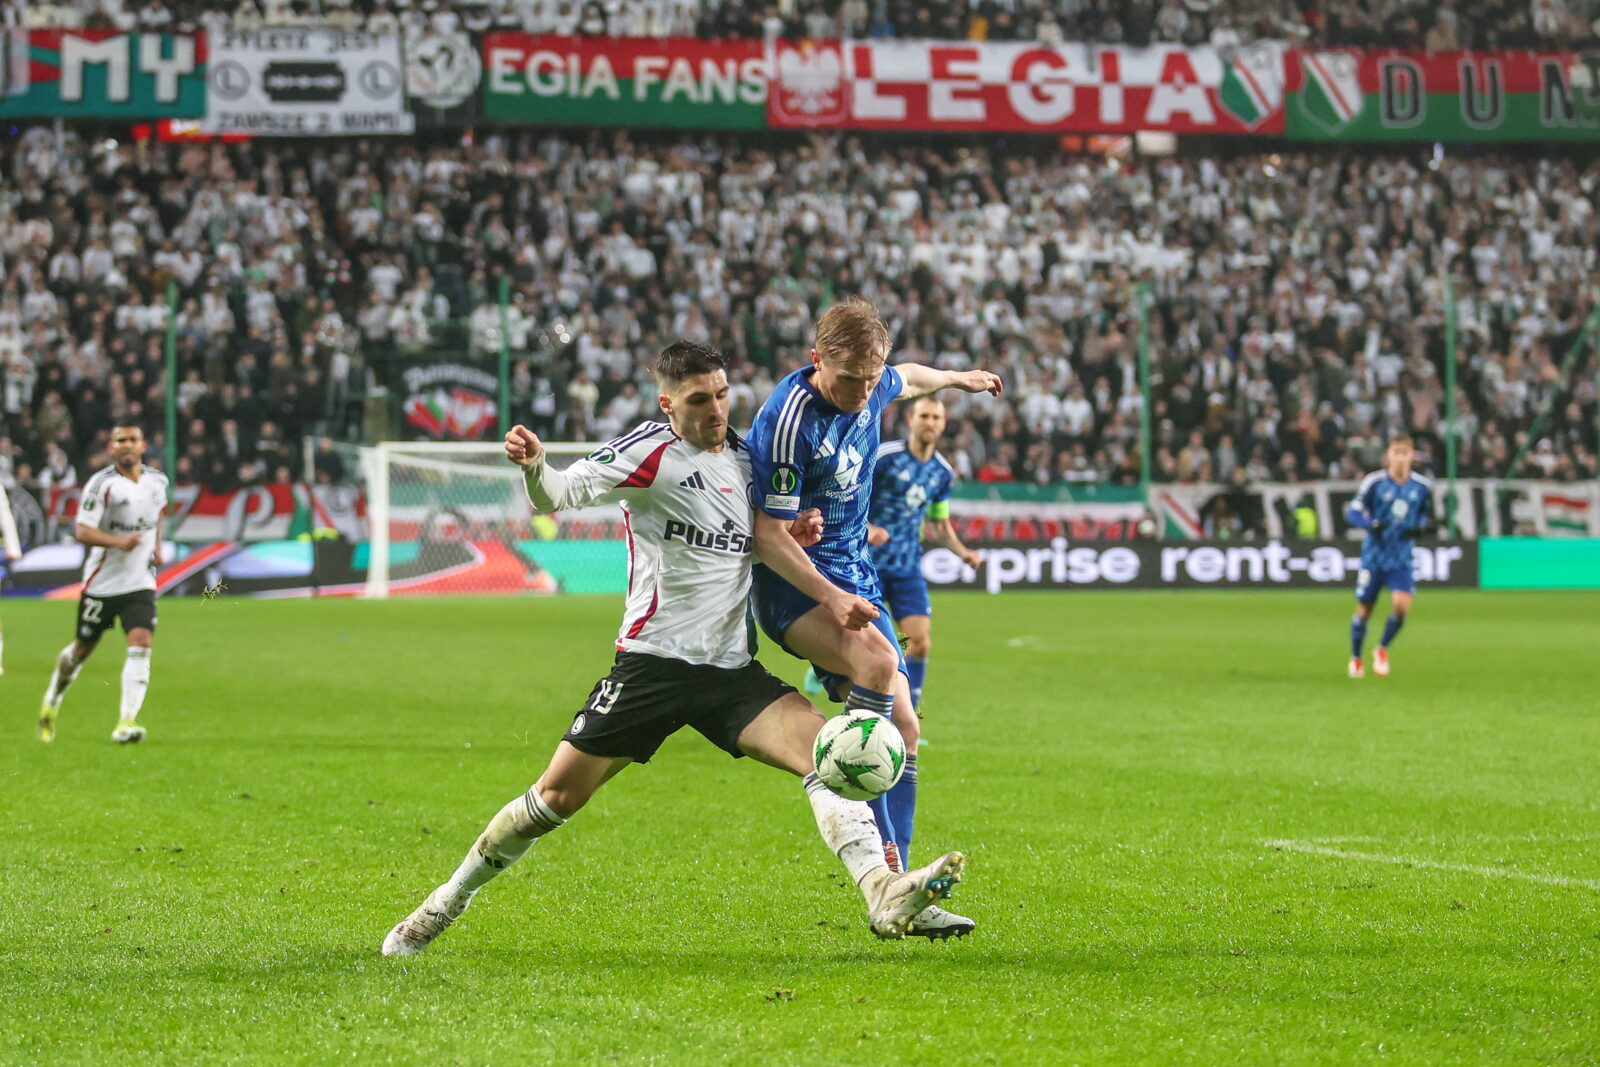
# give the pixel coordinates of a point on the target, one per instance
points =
(1191, 840)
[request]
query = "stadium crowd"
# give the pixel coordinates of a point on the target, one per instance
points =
(1436, 27)
(1298, 303)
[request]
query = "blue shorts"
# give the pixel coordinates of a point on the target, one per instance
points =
(779, 604)
(1372, 580)
(906, 594)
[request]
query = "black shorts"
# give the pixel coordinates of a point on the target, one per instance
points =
(646, 699)
(97, 614)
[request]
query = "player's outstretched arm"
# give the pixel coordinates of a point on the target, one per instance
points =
(942, 532)
(550, 490)
(777, 548)
(921, 381)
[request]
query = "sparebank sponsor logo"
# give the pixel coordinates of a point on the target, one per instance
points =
(1149, 565)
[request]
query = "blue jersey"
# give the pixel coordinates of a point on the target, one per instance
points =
(806, 453)
(1402, 509)
(905, 491)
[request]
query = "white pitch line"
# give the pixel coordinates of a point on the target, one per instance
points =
(1310, 848)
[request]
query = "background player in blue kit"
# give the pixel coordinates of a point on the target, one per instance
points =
(1394, 506)
(910, 496)
(814, 444)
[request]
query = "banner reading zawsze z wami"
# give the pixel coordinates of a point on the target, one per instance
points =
(681, 83)
(306, 82)
(1016, 87)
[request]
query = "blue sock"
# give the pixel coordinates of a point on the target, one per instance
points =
(881, 703)
(880, 812)
(916, 670)
(870, 700)
(1391, 629)
(1358, 635)
(903, 809)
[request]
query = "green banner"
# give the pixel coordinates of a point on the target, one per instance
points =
(1443, 97)
(97, 74)
(1539, 563)
(643, 83)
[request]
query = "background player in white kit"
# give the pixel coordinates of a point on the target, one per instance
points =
(683, 651)
(10, 549)
(119, 518)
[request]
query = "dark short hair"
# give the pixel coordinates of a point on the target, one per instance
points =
(686, 359)
(130, 422)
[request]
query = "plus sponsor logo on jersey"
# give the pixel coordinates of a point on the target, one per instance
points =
(729, 540)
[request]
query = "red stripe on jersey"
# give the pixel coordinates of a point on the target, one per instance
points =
(655, 602)
(627, 528)
(646, 474)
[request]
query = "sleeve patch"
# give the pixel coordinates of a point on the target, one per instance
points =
(779, 502)
(785, 479)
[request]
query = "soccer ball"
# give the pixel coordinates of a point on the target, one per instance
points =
(859, 755)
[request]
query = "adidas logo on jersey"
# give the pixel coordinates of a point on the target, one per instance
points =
(696, 481)
(689, 534)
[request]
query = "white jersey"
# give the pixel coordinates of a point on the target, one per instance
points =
(114, 504)
(690, 537)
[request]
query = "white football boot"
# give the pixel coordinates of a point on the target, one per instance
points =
(903, 897)
(1356, 668)
(128, 733)
(936, 924)
(1380, 662)
(416, 931)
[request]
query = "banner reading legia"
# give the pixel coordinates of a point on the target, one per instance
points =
(1025, 87)
(682, 83)
(1447, 96)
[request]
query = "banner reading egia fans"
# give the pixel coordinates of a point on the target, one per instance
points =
(1004, 86)
(306, 82)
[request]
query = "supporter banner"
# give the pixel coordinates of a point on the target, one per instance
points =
(306, 82)
(1447, 96)
(1485, 507)
(1064, 564)
(444, 72)
(259, 513)
(1026, 87)
(448, 402)
(98, 74)
(680, 83)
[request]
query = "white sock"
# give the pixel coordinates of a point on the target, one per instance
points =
(849, 829)
(135, 682)
(66, 672)
(508, 836)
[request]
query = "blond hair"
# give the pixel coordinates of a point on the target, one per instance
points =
(852, 330)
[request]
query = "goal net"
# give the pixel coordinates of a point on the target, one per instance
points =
(453, 519)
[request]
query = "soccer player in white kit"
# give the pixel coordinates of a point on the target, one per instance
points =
(10, 549)
(119, 519)
(683, 651)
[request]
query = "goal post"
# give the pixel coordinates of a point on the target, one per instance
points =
(452, 518)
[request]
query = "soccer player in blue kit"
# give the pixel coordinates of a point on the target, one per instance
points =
(910, 494)
(1394, 506)
(814, 444)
